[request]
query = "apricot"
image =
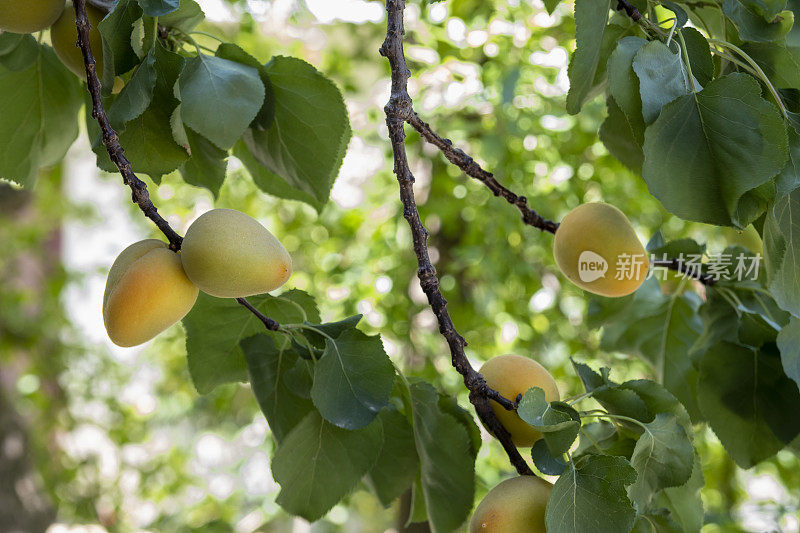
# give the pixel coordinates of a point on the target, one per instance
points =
(146, 292)
(28, 16)
(230, 255)
(64, 35)
(596, 248)
(511, 375)
(516, 505)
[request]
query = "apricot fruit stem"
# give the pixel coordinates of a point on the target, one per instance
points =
(268, 322)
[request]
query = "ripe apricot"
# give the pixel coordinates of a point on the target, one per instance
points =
(516, 505)
(511, 375)
(146, 292)
(229, 255)
(28, 16)
(597, 249)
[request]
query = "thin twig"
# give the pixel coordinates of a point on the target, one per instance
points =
(397, 109)
(630, 10)
(268, 322)
(117, 154)
(139, 193)
(467, 164)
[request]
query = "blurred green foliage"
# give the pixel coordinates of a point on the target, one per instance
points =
(489, 76)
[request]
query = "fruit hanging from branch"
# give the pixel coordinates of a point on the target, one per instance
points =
(512, 375)
(228, 254)
(597, 249)
(515, 505)
(146, 292)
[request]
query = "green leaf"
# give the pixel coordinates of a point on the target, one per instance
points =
(623, 84)
(267, 366)
(658, 400)
(551, 5)
(601, 438)
(699, 154)
(662, 458)
(748, 401)
(618, 137)
(447, 472)
(147, 139)
(185, 18)
(352, 380)
(660, 329)
(38, 116)
(789, 178)
(207, 165)
(157, 8)
(300, 377)
(782, 251)
(684, 502)
(591, 380)
(681, 18)
(135, 97)
(699, 53)
(558, 422)
(662, 78)
(780, 62)
(789, 345)
(266, 114)
(449, 405)
(320, 332)
(658, 521)
(318, 464)
(398, 463)
(271, 183)
(215, 326)
(592, 482)
(752, 24)
(310, 118)
(236, 91)
(118, 53)
(591, 17)
(545, 461)
(17, 51)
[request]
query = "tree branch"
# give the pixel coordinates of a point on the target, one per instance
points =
(268, 322)
(139, 193)
(397, 110)
(629, 9)
(468, 165)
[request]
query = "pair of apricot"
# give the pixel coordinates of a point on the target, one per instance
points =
(225, 253)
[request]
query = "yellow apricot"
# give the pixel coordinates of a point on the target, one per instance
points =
(511, 375)
(596, 248)
(64, 36)
(28, 16)
(146, 292)
(516, 505)
(230, 255)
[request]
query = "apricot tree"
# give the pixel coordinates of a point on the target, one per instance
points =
(701, 102)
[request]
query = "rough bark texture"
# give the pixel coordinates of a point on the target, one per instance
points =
(398, 110)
